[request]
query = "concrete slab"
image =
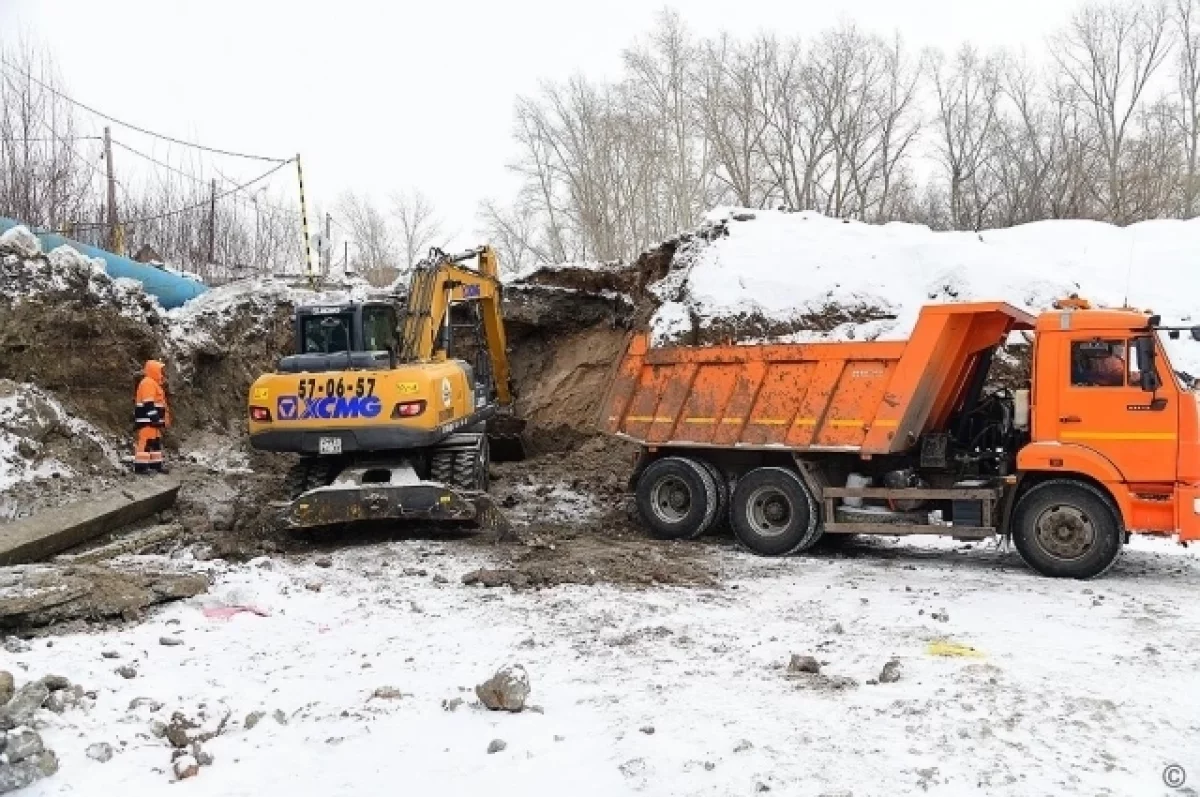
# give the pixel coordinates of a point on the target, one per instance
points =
(39, 537)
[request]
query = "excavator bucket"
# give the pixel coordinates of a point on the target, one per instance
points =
(506, 437)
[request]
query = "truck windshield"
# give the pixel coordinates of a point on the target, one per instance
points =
(1184, 356)
(327, 334)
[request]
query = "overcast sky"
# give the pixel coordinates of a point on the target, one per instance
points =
(390, 94)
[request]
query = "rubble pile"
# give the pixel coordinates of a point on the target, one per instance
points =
(24, 757)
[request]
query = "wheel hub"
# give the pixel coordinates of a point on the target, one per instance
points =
(770, 511)
(671, 499)
(1065, 532)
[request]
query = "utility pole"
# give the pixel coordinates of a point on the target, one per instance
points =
(327, 253)
(212, 224)
(113, 240)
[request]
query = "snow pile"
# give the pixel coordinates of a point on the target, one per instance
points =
(37, 435)
(802, 276)
(200, 324)
(66, 275)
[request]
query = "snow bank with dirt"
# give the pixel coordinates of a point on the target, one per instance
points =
(197, 325)
(783, 267)
(28, 274)
(38, 438)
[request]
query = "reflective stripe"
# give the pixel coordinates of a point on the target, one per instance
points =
(1117, 435)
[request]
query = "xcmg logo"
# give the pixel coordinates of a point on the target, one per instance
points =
(294, 408)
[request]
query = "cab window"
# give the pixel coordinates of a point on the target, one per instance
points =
(326, 334)
(1098, 363)
(379, 329)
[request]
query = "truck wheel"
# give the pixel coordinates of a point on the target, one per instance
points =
(772, 512)
(677, 498)
(719, 479)
(1067, 529)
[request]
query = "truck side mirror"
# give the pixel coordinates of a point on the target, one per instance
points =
(1195, 333)
(1146, 363)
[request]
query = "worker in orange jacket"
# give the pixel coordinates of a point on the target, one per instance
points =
(152, 415)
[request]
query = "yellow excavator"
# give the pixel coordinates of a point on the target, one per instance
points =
(389, 418)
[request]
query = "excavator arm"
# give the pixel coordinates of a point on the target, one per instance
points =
(440, 281)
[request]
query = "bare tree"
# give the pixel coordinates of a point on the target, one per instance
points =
(966, 93)
(46, 166)
(1187, 75)
(417, 225)
(1109, 52)
(375, 250)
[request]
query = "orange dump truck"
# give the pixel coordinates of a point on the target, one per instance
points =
(799, 441)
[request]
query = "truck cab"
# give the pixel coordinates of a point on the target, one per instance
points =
(1107, 406)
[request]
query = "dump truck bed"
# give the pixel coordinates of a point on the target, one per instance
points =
(868, 397)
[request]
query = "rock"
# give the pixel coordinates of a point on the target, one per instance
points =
(126, 671)
(23, 773)
(56, 682)
(313, 586)
(507, 690)
(496, 578)
(387, 693)
(185, 767)
(890, 672)
(170, 641)
(253, 718)
(807, 664)
(158, 729)
(438, 578)
(110, 654)
(24, 703)
(279, 716)
(761, 787)
(7, 686)
(202, 756)
(177, 731)
(743, 216)
(496, 745)
(44, 594)
(20, 745)
(743, 746)
(100, 751)
(58, 702)
(148, 702)
(323, 561)
(452, 705)
(15, 645)
(647, 729)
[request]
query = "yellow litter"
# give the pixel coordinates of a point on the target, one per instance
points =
(945, 647)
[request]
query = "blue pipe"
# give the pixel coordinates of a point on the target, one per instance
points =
(171, 290)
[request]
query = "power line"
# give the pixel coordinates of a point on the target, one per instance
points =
(198, 205)
(114, 120)
(157, 162)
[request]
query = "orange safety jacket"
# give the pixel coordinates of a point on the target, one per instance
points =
(150, 402)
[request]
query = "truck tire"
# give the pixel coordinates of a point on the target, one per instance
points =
(677, 498)
(721, 518)
(1067, 529)
(773, 513)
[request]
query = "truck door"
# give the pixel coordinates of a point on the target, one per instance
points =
(1104, 407)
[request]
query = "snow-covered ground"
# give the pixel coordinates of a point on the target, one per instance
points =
(1075, 688)
(782, 265)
